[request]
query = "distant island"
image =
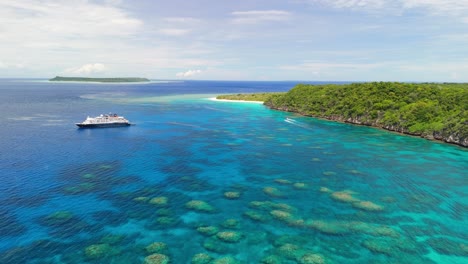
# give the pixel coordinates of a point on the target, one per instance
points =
(102, 80)
(430, 110)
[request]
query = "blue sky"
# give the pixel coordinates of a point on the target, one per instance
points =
(323, 40)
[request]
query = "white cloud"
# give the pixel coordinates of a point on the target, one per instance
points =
(317, 67)
(87, 69)
(4, 65)
(27, 19)
(182, 20)
(174, 31)
(258, 16)
(189, 73)
(430, 7)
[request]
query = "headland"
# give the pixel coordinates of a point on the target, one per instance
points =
(436, 111)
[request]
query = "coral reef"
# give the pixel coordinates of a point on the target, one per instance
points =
(97, 251)
(448, 246)
(200, 206)
(214, 245)
(325, 190)
(111, 239)
(208, 230)
(368, 206)
(271, 259)
(156, 259)
(156, 247)
(256, 216)
(300, 186)
(226, 260)
(378, 246)
(201, 258)
(290, 251)
(166, 221)
(229, 236)
(141, 199)
(58, 218)
(329, 228)
(344, 196)
(159, 201)
(281, 215)
(283, 181)
(231, 224)
(232, 195)
(273, 192)
(311, 258)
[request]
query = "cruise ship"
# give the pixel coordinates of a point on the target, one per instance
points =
(109, 120)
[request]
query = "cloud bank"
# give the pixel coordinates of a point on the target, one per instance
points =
(87, 69)
(258, 16)
(189, 73)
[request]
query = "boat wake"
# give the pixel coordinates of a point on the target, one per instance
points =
(297, 123)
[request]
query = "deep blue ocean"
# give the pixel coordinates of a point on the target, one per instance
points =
(202, 181)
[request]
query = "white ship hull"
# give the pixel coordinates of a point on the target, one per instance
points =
(111, 120)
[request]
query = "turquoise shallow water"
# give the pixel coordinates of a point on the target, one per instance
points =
(235, 181)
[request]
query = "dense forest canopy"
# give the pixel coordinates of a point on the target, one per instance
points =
(428, 109)
(432, 110)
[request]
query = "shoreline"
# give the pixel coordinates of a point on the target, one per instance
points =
(354, 123)
(234, 101)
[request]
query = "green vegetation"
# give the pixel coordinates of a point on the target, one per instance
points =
(432, 110)
(104, 80)
(248, 97)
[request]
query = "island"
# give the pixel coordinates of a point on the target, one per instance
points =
(101, 80)
(431, 110)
